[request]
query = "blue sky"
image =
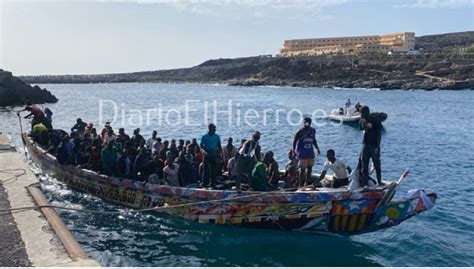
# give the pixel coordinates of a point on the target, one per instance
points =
(79, 37)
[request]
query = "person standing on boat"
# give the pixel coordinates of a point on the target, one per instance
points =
(372, 128)
(150, 141)
(38, 116)
(80, 126)
(122, 138)
(228, 151)
(136, 138)
(249, 155)
(347, 106)
(211, 144)
(109, 157)
(303, 143)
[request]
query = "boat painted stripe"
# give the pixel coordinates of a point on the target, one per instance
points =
(353, 222)
(336, 223)
(362, 220)
(337, 211)
(344, 223)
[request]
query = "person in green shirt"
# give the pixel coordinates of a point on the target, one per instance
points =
(109, 156)
(40, 134)
(258, 182)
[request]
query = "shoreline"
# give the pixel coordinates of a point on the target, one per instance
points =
(37, 241)
(229, 84)
(425, 72)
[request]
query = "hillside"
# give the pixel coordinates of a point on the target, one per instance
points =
(450, 42)
(439, 68)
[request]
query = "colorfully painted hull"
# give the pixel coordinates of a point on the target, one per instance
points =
(331, 211)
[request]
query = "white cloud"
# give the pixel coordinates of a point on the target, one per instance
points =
(436, 3)
(255, 8)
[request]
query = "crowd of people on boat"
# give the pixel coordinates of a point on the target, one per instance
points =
(207, 164)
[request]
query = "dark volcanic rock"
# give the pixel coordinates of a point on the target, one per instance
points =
(14, 91)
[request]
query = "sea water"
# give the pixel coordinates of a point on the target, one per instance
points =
(431, 132)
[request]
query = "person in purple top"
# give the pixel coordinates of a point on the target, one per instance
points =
(303, 143)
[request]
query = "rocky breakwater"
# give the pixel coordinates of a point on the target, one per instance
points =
(385, 73)
(14, 91)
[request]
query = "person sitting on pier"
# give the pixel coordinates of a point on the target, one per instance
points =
(80, 126)
(341, 170)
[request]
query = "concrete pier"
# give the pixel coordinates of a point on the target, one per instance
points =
(27, 238)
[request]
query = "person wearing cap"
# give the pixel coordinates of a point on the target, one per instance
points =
(80, 126)
(372, 128)
(211, 144)
(89, 128)
(171, 170)
(303, 143)
(103, 133)
(249, 156)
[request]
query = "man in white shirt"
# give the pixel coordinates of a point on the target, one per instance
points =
(151, 140)
(339, 168)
